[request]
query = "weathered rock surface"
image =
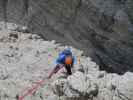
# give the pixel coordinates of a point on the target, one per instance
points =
(95, 85)
(26, 59)
(103, 29)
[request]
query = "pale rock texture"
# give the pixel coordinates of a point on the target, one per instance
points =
(26, 59)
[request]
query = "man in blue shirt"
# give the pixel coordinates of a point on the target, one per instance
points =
(65, 59)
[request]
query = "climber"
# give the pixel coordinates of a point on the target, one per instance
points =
(65, 59)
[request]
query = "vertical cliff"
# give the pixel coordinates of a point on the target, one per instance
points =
(102, 28)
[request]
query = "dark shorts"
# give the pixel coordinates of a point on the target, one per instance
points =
(68, 68)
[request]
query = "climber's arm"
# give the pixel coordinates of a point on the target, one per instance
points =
(55, 70)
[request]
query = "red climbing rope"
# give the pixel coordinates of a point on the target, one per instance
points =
(31, 91)
(34, 88)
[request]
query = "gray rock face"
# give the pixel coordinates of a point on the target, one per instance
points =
(103, 29)
(26, 59)
(87, 86)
